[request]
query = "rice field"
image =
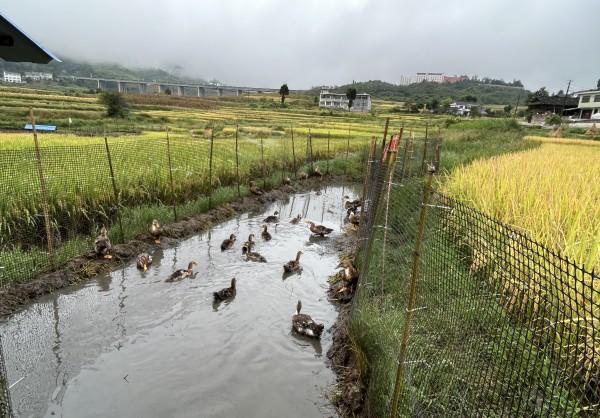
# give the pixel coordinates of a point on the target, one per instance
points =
(552, 192)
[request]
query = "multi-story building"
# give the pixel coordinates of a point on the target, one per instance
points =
(589, 104)
(9, 77)
(432, 77)
(330, 100)
(37, 76)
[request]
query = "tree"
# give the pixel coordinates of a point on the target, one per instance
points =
(507, 109)
(445, 105)
(114, 103)
(434, 104)
(284, 91)
(351, 95)
(469, 98)
(540, 93)
(168, 91)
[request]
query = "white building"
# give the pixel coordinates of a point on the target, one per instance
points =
(329, 100)
(589, 103)
(461, 108)
(9, 77)
(37, 76)
(406, 80)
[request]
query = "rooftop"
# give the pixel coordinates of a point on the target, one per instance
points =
(17, 46)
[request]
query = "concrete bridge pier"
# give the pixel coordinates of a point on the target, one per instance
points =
(141, 88)
(180, 91)
(220, 92)
(159, 88)
(239, 92)
(99, 85)
(201, 92)
(119, 87)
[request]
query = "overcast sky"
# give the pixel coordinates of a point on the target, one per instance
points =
(313, 42)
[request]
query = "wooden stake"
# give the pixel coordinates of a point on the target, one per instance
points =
(294, 156)
(114, 187)
(210, 165)
(237, 161)
(411, 295)
(171, 175)
(262, 156)
(328, 150)
(45, 208)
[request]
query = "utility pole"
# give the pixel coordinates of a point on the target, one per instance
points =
(565, 98)
(517, 105)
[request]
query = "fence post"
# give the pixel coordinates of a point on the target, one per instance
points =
(114, 187)
(310, 148)
(347, 150)
(237, 161)
(294, 156)
(424, 159)
(367, 177)
(412, 293)
(328, 150)
(385, 132)
(262, 157)
(171, 175)
(392, 165)
(411, 145)
(284, 160)
(210, 164)
(45, 208)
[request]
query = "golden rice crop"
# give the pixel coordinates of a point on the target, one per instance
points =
(553, 192)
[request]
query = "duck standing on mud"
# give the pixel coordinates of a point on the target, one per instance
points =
(228, 243)
(319, 229)
(304, 325)
(226, 293)
(182, 273)
(255, 190)
(156, 231)
(102, 245)
(143, 260)
(293, 266)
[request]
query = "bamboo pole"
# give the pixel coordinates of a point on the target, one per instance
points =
(412, 294)
(368, 164)
(310, 147)
(424, 158)
(114, 187)
(347, 149)
(294, 156)
(328, 151)
(45, 208)
(171, 175)
(385, 132)
(237, 161)
(262, 157)
(210, 166)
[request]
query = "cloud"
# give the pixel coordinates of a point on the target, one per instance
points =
(313, 42)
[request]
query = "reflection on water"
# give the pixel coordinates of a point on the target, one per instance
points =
(127, 344)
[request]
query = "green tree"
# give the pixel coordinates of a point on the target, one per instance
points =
(553, 120)
(434, 104)
(284, 91)
(351, 95)
(116, 107)
(445, 105)
(469, 98)
(507, 109)
(540, 93)
(475, 111)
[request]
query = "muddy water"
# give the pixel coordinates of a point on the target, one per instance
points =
(127, 344)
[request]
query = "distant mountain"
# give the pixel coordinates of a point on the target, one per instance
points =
(425, 91)
(106, 70)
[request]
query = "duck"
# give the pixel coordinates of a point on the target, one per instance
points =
(349, 272)
(182, 273)
(354, 219)
(352, 205)
(254, 256)
(255, 190)
(226, 293)
(143, 260)
(156, 231)
(317, 172)
(319, 229)
(228, 243)
(287, 181)
(302, 175)
(102, 245)
(266, 235)
(293, 266)
(272, 218)
(248, 244)
(304, 325)
(296, 220)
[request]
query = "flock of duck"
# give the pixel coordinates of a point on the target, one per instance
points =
(302, 324)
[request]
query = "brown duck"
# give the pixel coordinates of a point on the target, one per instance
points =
(226, 293)
(228, 243)
(182, 273)
(296, 220)
(143, 260)
(255, 190)
(266, 235)
(156, 231)
(304, 325)
(319, 229)
(102, 245)
(248, 244)
(293, 266)
(274, 218)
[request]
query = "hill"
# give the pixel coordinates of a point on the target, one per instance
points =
(103, 70)
(426, 91)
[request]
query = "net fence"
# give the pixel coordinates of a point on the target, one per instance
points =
(459, 314)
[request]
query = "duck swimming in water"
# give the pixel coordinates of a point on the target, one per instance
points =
(228, 243)
(266, 235)
(248, 244)
(304, 325)
(102, 245)
(293, 266)
(226, 293)
(319, 229)
(182, 273)
(156, 231)
(254, 256)
(143, 260)
(272, 218)
(296, 220)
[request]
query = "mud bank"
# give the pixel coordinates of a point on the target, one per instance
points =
(79, 269)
